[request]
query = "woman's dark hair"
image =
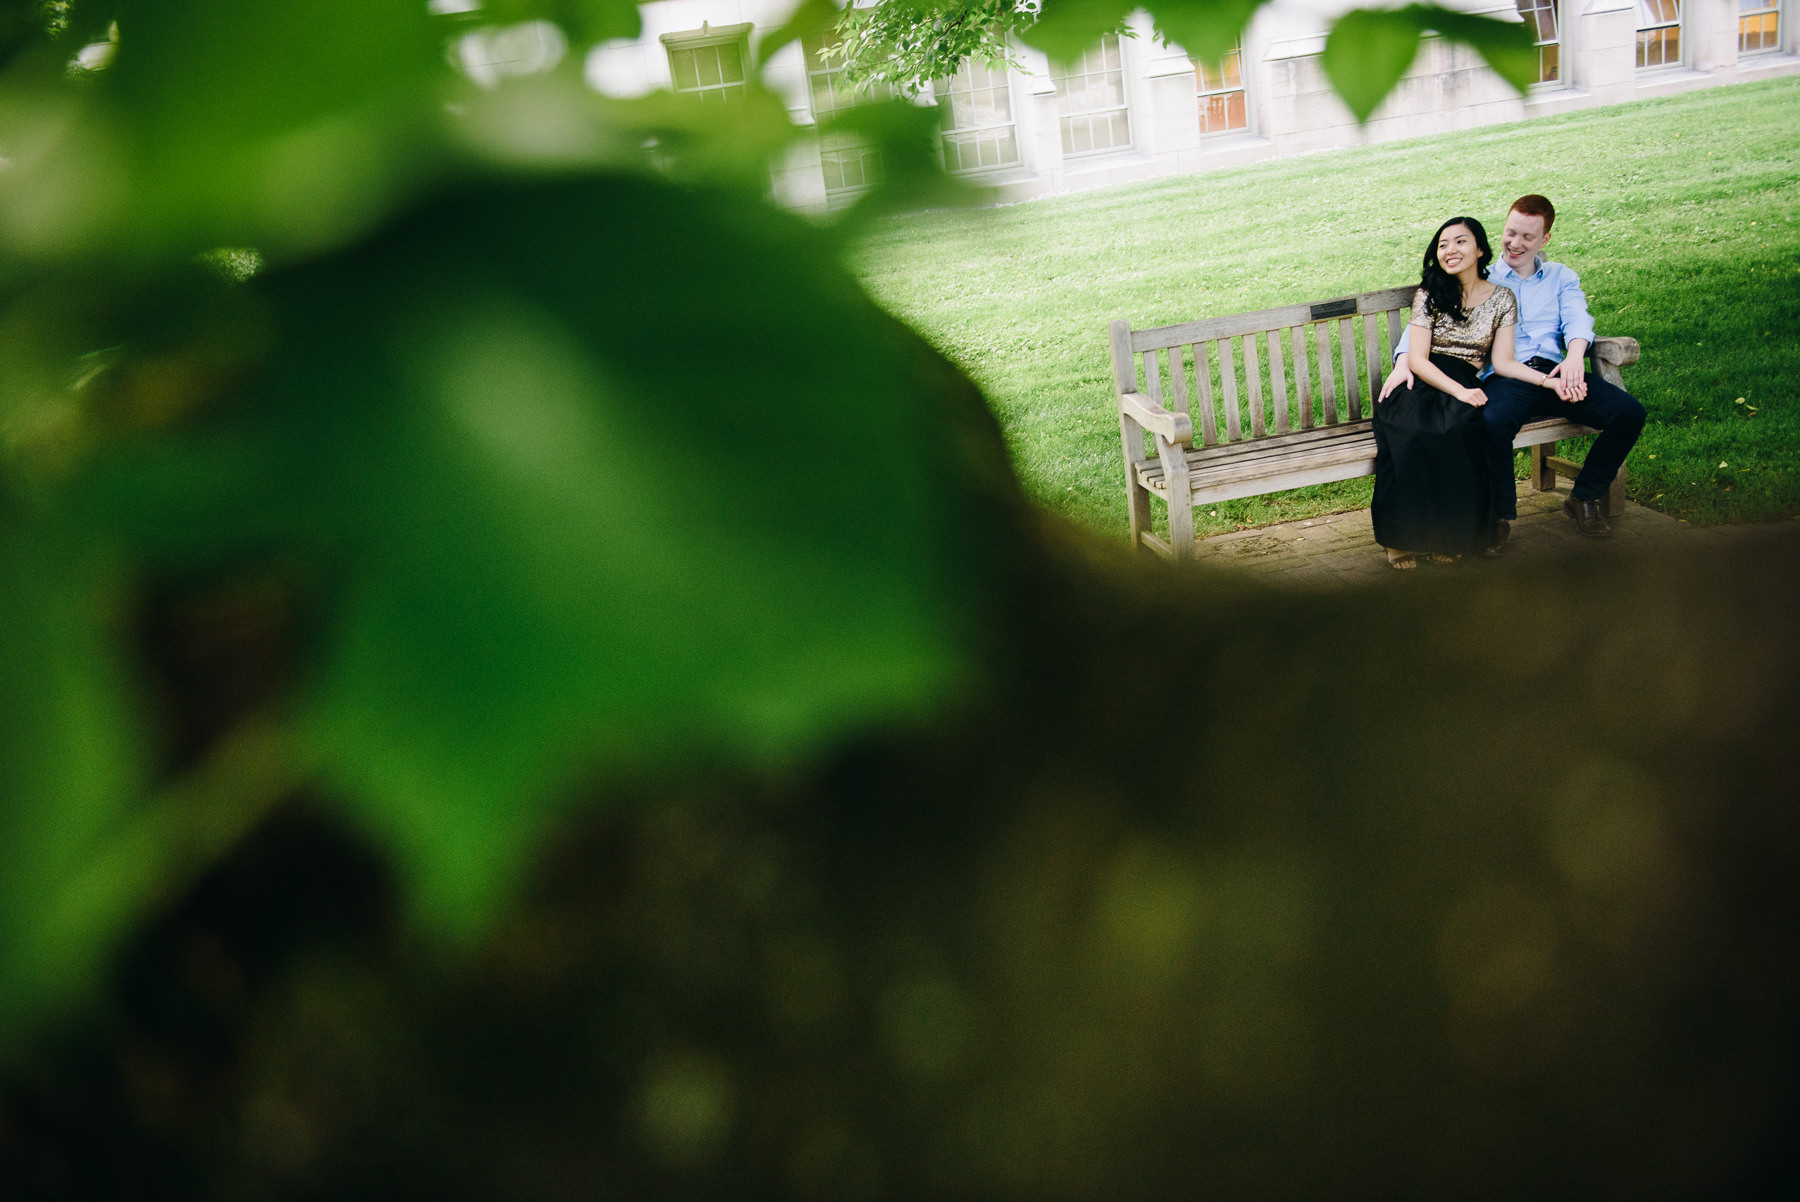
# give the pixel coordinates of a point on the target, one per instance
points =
(1443, 294)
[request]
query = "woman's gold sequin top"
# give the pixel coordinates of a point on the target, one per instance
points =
(1472, 338)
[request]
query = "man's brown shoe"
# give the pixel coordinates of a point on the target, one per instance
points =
(1496, 540)
(1587, 518)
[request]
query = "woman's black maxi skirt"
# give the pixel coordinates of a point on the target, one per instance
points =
(1431, 477)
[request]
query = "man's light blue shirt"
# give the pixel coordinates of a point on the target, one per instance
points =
(1552, 311)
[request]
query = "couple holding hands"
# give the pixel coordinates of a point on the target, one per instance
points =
(1444, 427)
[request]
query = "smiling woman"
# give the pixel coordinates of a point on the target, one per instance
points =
(1433, 494)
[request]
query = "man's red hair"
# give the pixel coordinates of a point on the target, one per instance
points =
(1534, 205)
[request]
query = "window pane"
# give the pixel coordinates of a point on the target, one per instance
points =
(731, 62)
(976, 109)
(706, 59)
(1081, 135)
(1223, 106)
(1759, 32)
(1090, 96)
(682, 64)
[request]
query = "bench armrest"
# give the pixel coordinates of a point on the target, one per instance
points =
(1617, 351)
(1175, 428)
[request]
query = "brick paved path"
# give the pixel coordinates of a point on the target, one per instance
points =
(1340, 549)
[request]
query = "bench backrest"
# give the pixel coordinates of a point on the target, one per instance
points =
(1269, 372)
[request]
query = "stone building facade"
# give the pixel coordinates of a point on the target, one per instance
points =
(1134, 107)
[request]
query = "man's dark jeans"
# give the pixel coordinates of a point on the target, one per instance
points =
(1511, 403)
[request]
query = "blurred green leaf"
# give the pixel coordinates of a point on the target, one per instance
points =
(615, 478)
(1507, 46)
(587, 21)
(1206, 29)
(909, 138)
(1366, 54)
(288, 127)
(808, 18)
(1369, 50)
(69, 771)
(1067, 27)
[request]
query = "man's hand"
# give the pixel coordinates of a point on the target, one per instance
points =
(1400, 377)
(1567, 378)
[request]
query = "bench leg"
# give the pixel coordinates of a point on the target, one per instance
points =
(1137, 507)
(1137, 497)
(1614, 500)
(1543, 474)
(1181, 502)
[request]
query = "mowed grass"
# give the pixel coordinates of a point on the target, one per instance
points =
(1681, 215)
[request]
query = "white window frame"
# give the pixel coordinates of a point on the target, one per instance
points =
(1203, 90)
(957, 136)
(705, 38)
(1652, 23)
(1771, 8)
(1092, 64)
(820, 73)
(1552, 45)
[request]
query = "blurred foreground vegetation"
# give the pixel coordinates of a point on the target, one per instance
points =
(544, 689)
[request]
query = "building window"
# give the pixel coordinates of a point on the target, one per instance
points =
(978, 119)
(1221, 88)
(710, 63)
(1659, 33)
(1540, 17)
(850, 164)
(1090, 95)
(1759, 26)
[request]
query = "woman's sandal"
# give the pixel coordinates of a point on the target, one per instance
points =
(1401, 561)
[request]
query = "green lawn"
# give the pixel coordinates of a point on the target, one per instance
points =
(1679, 214)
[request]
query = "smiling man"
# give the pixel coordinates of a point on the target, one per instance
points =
(1552, 335)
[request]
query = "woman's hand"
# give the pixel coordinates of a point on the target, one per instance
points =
(1400, 377)
(1472, 396)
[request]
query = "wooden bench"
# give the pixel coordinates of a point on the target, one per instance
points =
(1273, 414)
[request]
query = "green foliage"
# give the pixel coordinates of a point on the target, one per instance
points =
(548, 486)
(70, 770)
(909, 43)
(543, 430)
(1370, 49)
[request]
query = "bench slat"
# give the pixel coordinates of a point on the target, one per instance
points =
(1228, 385)
(1153, 376)
(1318, 444)
(1253, 378)
(1236, 324)
(1327, 385)
(1360, 449)
(1302, 378)
(1178, 400)
(1372, 354)
(1250, 467)
(1209, 423)
(1278, 383)
(1347, 349)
